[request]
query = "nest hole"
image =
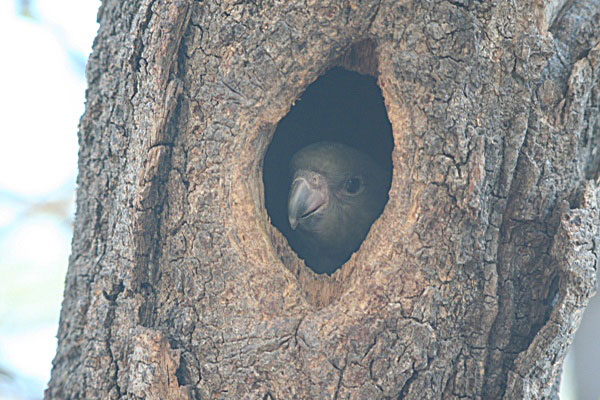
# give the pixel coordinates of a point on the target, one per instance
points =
(341, 106)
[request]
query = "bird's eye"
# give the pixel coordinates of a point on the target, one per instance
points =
(352, 185)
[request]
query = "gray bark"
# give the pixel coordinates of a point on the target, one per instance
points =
(470, 285)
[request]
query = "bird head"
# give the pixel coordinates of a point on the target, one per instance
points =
(336, 194)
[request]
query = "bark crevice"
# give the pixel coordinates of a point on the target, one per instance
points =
(469, 285)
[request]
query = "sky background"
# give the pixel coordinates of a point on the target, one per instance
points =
(44, 45)
(42, 85)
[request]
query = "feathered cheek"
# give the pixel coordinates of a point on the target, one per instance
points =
(339, 197)
(347, 211)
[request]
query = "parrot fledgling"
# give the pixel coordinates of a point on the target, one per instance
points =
(336, 194)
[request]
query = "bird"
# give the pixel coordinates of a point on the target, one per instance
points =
(336, 193)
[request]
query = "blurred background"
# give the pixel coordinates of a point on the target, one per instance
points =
(45, 45)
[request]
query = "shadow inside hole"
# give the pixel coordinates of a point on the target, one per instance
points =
(341, 106)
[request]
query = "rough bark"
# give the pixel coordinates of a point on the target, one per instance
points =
(471, 283)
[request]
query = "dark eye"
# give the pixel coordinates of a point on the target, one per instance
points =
(352, 185)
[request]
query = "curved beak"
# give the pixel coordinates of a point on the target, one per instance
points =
(304, 200)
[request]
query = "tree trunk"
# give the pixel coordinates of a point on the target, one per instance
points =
(470, 284)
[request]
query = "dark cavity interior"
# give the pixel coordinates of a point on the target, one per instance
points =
(341, 106)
